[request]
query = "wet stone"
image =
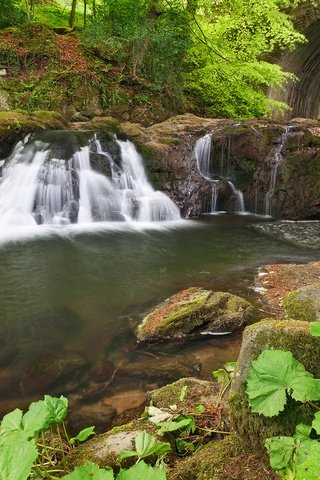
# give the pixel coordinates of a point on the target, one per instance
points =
(63, 370)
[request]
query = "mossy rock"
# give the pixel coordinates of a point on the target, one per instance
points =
(103, 124)
(287, 335)
(104, 449)
(198, 392)
(195, 310)
(303, 304)
(227, 459)
(14, 125)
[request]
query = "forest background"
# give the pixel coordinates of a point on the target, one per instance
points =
(209, 57)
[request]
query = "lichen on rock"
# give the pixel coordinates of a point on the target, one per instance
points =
(195, 310)
(304, 303)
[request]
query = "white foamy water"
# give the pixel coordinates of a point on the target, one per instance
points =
(39, 191)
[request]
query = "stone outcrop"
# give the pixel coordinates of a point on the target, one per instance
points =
(15, 125)
(304, 304)
(246, 153)
(195, 311)
(286, 335)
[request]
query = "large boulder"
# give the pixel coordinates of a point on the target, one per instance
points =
(287, 335)
(304, 303)
(195, 310)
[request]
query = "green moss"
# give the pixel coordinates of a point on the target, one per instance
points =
(167, 140)
(209, 460)
(181, 310)
(299, 308)
(198, 391)
(174, 317)
(185, 311)
(255, 428)
(14, 124)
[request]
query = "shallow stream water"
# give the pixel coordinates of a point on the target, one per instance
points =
(85, 290)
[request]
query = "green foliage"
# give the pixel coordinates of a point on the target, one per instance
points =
(183, 393)
(25, 453)
(229, 73)
(83, 435)
(297, 457)
(90, 471)
(146, 445)
(225, 374)
(14, 15)
(182, 422)
(17, 457)
(142, 471)
(274, 375)
(315, 329)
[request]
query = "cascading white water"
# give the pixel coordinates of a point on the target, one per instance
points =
(202, 152)
(275, 160)
(36, 187)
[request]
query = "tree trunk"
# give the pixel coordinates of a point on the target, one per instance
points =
(72, 13)
(94, 9)
(27, 9)
(85, 13)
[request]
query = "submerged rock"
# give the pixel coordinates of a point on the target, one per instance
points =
(195, 310)
(303, 304)
(162, 369)
(288, 335)
(64, 370)
(99, 415)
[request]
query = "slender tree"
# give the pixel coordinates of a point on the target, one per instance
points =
(72, 13)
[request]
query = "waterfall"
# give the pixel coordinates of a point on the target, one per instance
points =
(39, 187)
(202, 152)
(276, 160)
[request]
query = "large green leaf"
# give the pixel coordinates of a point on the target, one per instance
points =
(280, 450)
(316, 422)
(11, 422)
(308, 464)
(142, 471)
(90, 471)
(36, 418)
(302, 432)
(57, 407)
(149, 445)
(315, 329)
(17, 458)
(275, 374)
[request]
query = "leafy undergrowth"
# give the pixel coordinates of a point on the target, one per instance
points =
(47, 70)
(35, 444)
(273, 377)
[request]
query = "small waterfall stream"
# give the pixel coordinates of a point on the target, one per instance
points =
(202, 152)
(39, 187)
(276, 159)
